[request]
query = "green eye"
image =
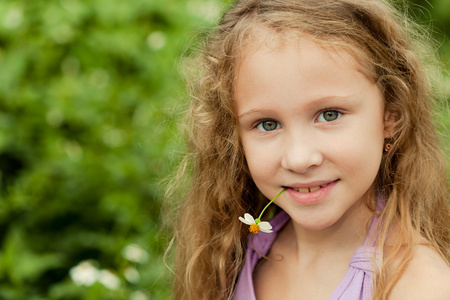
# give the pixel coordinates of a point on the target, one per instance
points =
(328, 116)
(268, 125)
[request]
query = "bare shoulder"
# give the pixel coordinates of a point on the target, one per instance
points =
(427, 276)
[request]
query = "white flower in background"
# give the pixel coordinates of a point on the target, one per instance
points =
(13, 18)
(139, 295)
(135, 253)
(109, 279)
(131, 274)
(156, 40)
(85, 273)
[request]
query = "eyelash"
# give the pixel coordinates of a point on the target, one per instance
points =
(340, 113)
(257, 124)
(260, 122)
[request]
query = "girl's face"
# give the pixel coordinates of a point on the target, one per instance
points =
(309, 120)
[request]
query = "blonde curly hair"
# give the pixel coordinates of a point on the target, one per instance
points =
(210, 240)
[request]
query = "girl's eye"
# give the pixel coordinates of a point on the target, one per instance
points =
(328, 116)
(268, 125)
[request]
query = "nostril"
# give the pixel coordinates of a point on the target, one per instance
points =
(302, 163)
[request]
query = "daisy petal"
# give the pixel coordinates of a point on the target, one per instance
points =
(265, 230)
(249, 218)
(265, 225)
(244, 221)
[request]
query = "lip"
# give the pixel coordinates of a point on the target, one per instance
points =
(310, 184)
(311, 197)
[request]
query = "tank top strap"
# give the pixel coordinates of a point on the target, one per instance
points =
(357, 282)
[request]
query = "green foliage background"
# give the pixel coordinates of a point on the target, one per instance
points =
(89, 96)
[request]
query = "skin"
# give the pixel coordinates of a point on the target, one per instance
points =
(427, 276)
(309, 118)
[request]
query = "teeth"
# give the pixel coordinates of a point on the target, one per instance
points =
(309, 190)
(313, 189)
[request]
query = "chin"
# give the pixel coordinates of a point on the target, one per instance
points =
(314, 224)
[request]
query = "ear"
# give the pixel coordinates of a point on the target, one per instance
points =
(389, 120)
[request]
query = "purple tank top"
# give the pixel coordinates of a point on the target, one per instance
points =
(356, 284)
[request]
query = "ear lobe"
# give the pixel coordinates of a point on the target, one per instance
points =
(389, 121)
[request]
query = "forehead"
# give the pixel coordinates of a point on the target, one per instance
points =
(297, 73)
(262, 37)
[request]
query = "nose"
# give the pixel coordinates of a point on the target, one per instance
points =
(301, 154)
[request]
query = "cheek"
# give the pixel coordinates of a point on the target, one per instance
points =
(253, 155)
(360, 150)
(260, 159)
(250, 155)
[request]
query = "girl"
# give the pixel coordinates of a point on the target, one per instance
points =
(327, 101)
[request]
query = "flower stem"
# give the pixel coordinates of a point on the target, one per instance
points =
(259, 218)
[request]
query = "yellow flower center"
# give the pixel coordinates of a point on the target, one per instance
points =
(254, 228)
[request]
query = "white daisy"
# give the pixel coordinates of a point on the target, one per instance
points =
(256, 225)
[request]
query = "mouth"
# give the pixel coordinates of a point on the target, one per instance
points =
(311, 192)
(312, 188)
(309, 189)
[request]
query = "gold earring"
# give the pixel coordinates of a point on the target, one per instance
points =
(387, 147)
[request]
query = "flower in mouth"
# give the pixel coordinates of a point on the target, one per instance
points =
(257, 225)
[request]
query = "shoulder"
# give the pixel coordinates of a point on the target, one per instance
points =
(427, 276)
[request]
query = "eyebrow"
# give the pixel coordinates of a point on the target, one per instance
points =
(309, 104)
(254, 111)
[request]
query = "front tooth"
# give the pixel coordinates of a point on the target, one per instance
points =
(313, 189)
(303, 190)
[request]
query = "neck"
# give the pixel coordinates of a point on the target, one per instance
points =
(341, 238)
